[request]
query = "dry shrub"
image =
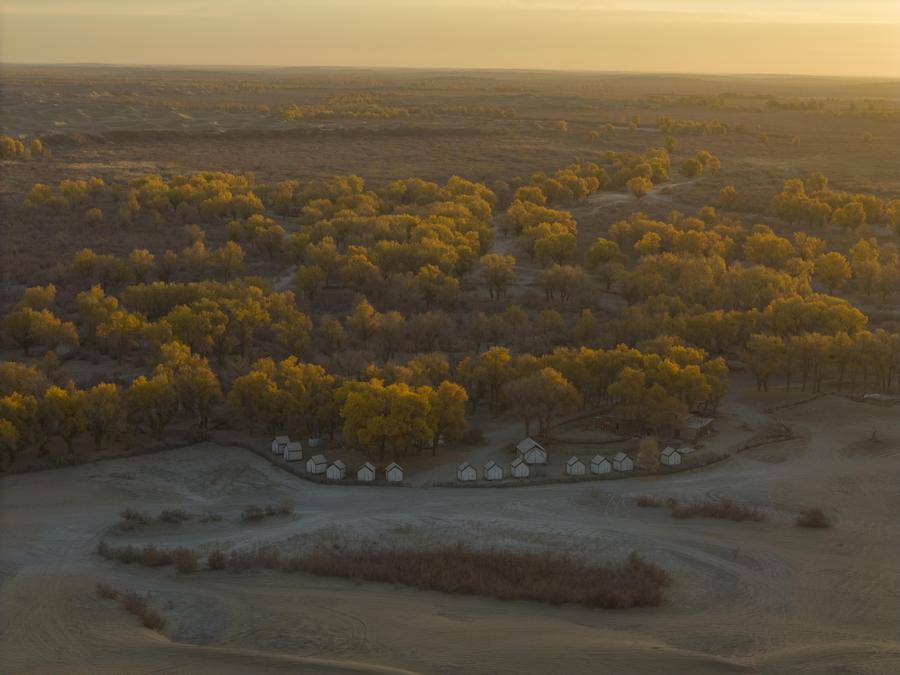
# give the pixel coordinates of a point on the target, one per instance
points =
(139, 605)
(174, 516)
(539, 577)
(133, 518)
(727, 509)
(282, 508)
(148, 556)
(107, 592)
(210, 518)
(186, 560)
(813, 517)
(252, 513)
(647, 501)
(216, 560)
(155, 557)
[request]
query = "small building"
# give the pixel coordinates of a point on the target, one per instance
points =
(316, 464)
(314, 441)
(519, 469)
(466, 472)
(279, 443)
(492, 471)
(293, 451)
(337, 470)
(622, 462)
(394, 473)
(366, 472)
(531, 451)
(695, 428)
(575, 467)
(600, 464)
(669, 457)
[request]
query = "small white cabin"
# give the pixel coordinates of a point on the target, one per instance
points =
(337, 471)
(670, 457)
(366, 472)
(518, 468)
(600, 464)
(575, 467)
(622, 462)
(493, 471)
(531, 451)
(466, 472)
(293, 451)
(394, 473)
(314, 441)
(316, 464)
(279, 443)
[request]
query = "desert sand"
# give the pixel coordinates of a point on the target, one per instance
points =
(747, 597)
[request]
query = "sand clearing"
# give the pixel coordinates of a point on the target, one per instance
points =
(748, 597)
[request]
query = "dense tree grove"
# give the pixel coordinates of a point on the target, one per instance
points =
(389, 316)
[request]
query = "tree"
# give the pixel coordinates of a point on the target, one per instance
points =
(691, 168)
(38, 297)
(363, 321)
(104, 412)
(309, 280)
(28, 327)
(851, 215)
(832, 271)
(121, 331)
(195, 383)
(66, 412)
(499, 272)
(154, 401)
(764, 354)
(544, 395)
(255, 397)
(648, 454)
(448, 411)
(728, 196)
(639, 186)
(9, 442)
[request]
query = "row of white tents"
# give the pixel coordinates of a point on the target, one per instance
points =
(318, 465)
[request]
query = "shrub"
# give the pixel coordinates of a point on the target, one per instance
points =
(252, 513)
(646, 501)
(134, 603)
(134, 516)
(186, 560)
(725, 508)
(282, 508)
(216, 560)
(107, 592)
(813, 517)
(154, 557)
(139, 605)
(153, 620)
(174, 516)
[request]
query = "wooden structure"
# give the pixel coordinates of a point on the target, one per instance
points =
(519, 469)
(695, 428)
(337, 470)
(669, 457)
(531, 451)
(316, 464)
(600, 464)
(466, 472)
(293, 451)
(492, 471)
(575, 467)
(366, 472)
(622, 462)
(394, 473)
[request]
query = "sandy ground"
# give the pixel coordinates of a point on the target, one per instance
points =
(747, 597)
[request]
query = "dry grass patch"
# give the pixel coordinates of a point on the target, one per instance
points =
(107, 592)
(814, 517)
(726, 509)
(646, 501)
(253, 513)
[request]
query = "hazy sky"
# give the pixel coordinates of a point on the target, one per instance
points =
(820, 37)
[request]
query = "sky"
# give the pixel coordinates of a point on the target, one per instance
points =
(812, 37)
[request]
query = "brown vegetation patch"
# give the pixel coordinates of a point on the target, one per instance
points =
(814, 517)
(726, 509)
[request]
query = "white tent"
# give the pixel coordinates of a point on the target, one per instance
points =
(293, 451)
(575, 467)
(670, 457)
(337, 470)
(518, 468)
(622, 462)
(316, 464)
(366, 472)
(279, 443)
(394, 473)
(600, 464)
(531, 451)
(466, 472)
(493, 471)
